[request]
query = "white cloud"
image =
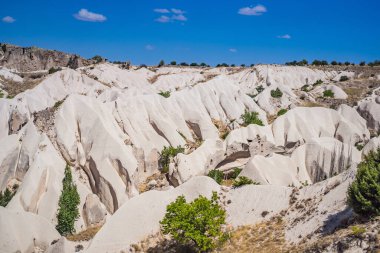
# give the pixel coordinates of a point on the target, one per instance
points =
(232, 50)
(86, 15)
(176, 15)
(8, 19)
(179, 17)
(161, 10)
(285, 36)
(178, 11)
(163, 19)
(149, 47)
(253, 11)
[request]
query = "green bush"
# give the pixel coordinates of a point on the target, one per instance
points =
(343, 78)
(166, 154)
(259, 89)
(217, 175)
(165, 94)
(240, 181)
(173, 63)
(97, 59)
(7, 196)
(364, 192)
(251, 118)
(305, 88)
(1, 94)
(236, 173)
(328, 94)
(197, 224)
(53, 70)
(69, 200)
(282, 112)
(277, 93)
(318, 82)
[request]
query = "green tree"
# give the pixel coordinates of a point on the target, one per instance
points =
(197, 224)
(69, 200)
(364, 192)
(173, 63)
(161, 63)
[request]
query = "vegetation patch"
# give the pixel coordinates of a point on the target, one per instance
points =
(344, 78)
(217, 175)
(165, 94)
(251, 118)
(328, 94)
(240, 181)
(166, 154)
(277, 93)
(7, 196)
(318, 82)
(53, 70)
(282, 112)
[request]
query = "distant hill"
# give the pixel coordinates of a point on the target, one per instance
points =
(26, 59)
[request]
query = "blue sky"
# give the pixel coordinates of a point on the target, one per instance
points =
(232, 31)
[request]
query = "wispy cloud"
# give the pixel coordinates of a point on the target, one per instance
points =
(232, 50)
(172, 15)
(285, 36)
(177, 11)
(149, 47)
(161, 10)
(85, 15)
(253, 11)
(163, 19)
(8, 19)
(179, 17)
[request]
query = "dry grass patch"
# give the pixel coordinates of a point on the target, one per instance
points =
(222, 128)
(85, 235)
(266, 237)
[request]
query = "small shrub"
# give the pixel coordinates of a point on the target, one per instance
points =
(7, 196)
(69, 200)
(277, 93)
(328, 94)
(197, 224)
(343, 78)
(1, 94)
(224, 135)
(53, 70)
(165, 94)
(58, 104)
(236, 173)
(97, 59)
(359, 146)
(251, 118)
(240, 181)
(362, 63)
(305, 88)
(259, 89)
(217, 175)
(166, 154)
(318, 82)
(357, 231)
(282, 112)
(364, 192)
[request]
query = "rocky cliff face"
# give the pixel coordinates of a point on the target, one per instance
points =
(26, 59)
